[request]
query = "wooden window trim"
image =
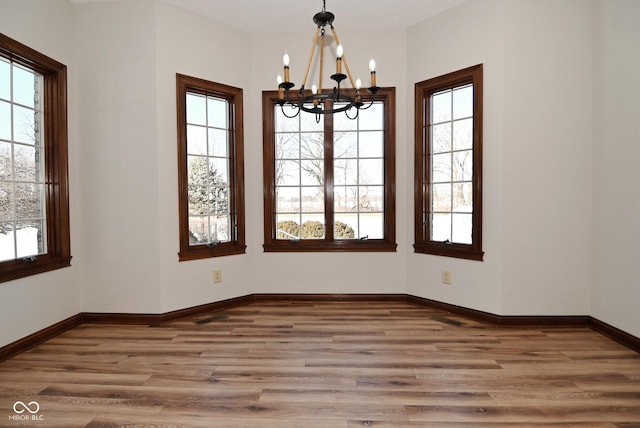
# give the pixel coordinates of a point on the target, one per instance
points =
(56, 162)
(423, 90)
(237, 245)
(387, 244)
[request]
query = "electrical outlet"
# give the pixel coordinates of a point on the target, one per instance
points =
(217, 276)
(446, 277)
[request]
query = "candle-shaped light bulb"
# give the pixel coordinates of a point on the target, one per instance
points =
(285, 60)
(372, 68)
(358, 83)
(314, 91)
(279, 79)
(339, 53)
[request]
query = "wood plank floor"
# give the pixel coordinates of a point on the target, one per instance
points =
(323, 364)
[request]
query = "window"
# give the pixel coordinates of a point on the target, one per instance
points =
(329, 181)
(34, 207)
(448, 165)
(210, 169)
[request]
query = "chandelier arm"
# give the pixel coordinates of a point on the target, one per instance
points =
(293, 106)
(370, 104)
(346, 113)
(344, 57)
(313, 50)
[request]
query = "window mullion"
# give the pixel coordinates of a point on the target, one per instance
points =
(329, 202)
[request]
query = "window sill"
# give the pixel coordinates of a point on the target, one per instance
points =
(340, 246)
(458, 251)
(205, 252)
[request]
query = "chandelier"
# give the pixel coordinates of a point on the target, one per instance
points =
(313, 101)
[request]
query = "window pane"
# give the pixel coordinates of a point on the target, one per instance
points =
(26, 166)
(198, 230)
(308, 122)
(5, 80)
(312, 145)
(441, 168)
(345, 198)
(283, 123)
(28, 201)
(24, 125)
(440, 227)
(30, 239)
(6, 202)
(312, 172)
(441, 107)
(219, 174)
(371, 144)
(371, 198)
(217, 112)
(463, 165)
(344, 227)
(198, 170)
(312, 227)
(218, 142)
(219, 200)
(345, 171)
(287, 199)
(7, 240)
(371, 226)
(342, 123)
(196, 140)
(462, 225)
(287, 227)
(5, 120)
(372, 118)
(345, 145)
(463, 102)
(198, 200)
(287, 146)
(441, 138)
(312, 199)
(288, 173)
(219, 228)
(5, 161)
(441, 197)
(462, 197)
(371, 171)
(196, 109)
(463, 134)
(24, 87)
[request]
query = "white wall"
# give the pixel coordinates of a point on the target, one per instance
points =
(31, 304)
(547, 143)
(196, 46)
(616, 202)
(537, 153)
(115, 49)
(469, 34)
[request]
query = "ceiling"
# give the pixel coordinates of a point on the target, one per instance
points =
(264, 16)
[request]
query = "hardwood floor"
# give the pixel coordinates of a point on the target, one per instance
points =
(323, 364)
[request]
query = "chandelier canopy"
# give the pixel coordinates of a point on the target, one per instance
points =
(313, 101)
